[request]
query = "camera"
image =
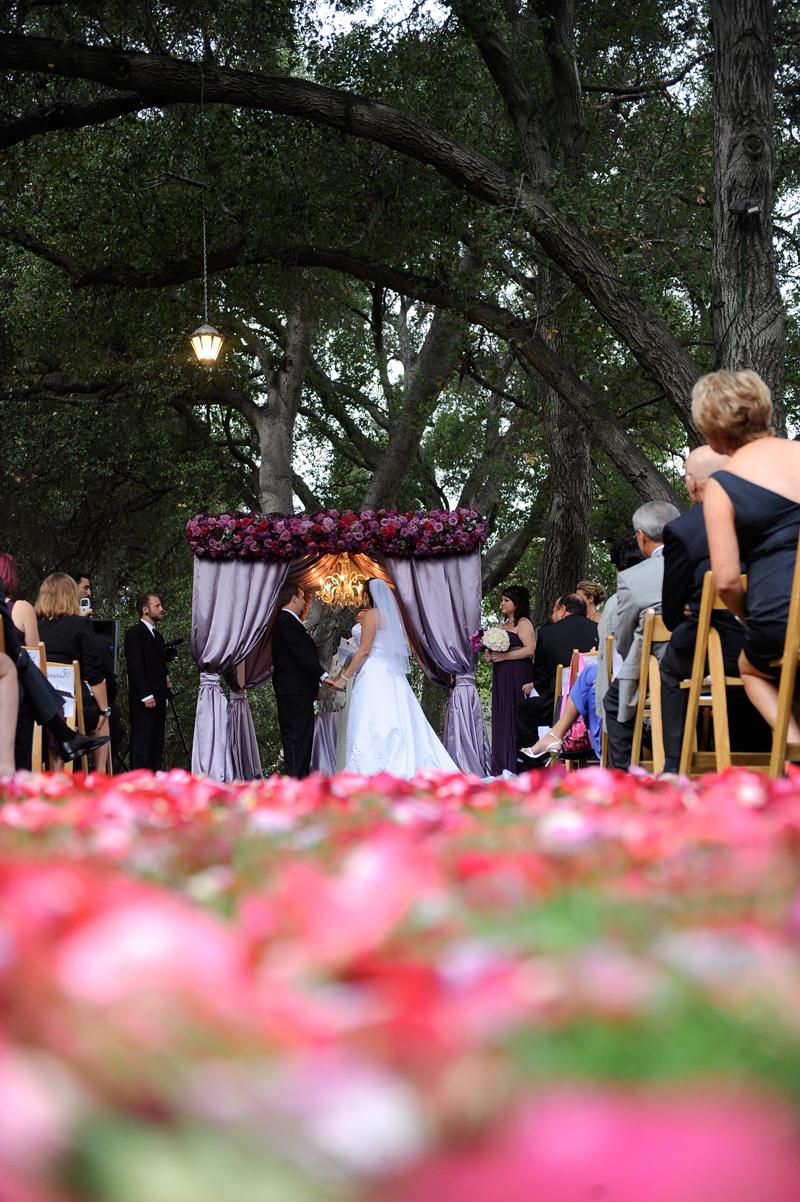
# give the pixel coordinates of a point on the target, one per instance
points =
(171, 650)
(85, 604)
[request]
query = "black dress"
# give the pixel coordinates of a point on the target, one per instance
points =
(767, 527)
(71, 637)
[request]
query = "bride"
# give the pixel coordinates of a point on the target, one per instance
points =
(386, 728)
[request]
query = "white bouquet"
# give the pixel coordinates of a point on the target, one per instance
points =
(496, 639)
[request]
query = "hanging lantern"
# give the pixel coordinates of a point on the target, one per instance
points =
(206, 342)
(342, 589)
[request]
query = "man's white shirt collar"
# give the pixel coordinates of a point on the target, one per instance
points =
(657, 552)
(150, 625)
(286, 610)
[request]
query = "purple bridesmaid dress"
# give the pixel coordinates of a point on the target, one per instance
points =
(508, 677)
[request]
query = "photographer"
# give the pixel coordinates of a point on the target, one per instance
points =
(148, 683)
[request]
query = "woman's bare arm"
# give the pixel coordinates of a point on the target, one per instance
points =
(723, 545)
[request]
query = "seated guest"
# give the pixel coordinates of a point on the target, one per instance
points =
(570, 630)
(22, 612)
(752, 516)
(624, 554)
(67, 637)
(686, 561)
(638, 589)
(44, 703)
(593, 593)
(581, 703)
(9, 699)
(24, 618)
(587, 693)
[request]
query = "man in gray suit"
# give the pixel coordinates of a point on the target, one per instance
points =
(638, 589)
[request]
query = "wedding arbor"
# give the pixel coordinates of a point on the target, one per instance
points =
(432, 559)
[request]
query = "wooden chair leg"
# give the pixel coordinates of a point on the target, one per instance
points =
(656, 720)
(719, 702)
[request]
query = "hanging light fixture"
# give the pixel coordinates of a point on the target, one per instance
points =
(341, 589)
(206, 342)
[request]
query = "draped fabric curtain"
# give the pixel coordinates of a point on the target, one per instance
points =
(441, 598)
(232, 605)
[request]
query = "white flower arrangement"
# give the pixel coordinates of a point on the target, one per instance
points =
(496, 639)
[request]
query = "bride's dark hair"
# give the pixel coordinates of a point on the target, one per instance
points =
(367, 594)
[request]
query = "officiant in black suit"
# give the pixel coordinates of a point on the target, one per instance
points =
(296, 677)
(148, 684)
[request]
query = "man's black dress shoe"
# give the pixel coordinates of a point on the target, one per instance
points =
(78, 745)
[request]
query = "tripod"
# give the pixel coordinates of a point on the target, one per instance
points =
(171, 701)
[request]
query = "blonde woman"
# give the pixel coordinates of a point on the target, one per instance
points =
(67, 636)
(752, 516)
(593, 593)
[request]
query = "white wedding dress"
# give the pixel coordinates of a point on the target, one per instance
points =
(386, 728)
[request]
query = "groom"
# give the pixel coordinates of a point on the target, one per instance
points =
(296, 677)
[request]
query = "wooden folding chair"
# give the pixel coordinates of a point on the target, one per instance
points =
(708, 664)
(560, 693)
(66, 678)
(648, 701)
(781, 749)
(38, 656)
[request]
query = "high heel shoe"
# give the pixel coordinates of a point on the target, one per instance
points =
(548, 745)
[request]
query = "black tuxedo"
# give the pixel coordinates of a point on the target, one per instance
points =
(296, 676)
(147, 677)
(686, 561)
(555, 643)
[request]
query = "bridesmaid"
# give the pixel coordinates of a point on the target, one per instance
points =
(512, 669)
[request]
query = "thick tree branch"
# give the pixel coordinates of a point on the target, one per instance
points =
(531, 349)
(69, 116)
(308, 499)
(165, 81)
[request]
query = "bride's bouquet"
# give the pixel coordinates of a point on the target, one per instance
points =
(490, 638)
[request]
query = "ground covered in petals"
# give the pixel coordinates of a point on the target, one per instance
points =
(580, 988)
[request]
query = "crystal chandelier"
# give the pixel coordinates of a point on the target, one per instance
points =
(341, 589)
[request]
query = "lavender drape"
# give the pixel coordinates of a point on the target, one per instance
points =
(232, 604)
(323, 751)
(245, 762)
(441, 598)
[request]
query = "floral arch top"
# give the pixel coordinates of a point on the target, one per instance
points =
(371, 532)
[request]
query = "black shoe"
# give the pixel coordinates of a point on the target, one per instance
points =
(78, 745)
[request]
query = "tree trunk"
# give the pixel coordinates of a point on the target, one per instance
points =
(564, 555)
(423, 386)
(275, 422)
(749, 317)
